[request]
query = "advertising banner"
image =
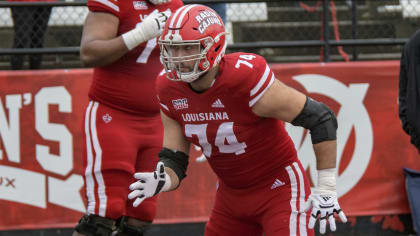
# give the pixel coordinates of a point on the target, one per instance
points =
(372, 148)
(41, 114)
(41, 146)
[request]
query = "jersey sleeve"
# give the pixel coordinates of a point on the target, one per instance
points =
(108, 6)
(255, 77)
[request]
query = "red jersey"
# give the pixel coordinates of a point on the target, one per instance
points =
(242, 148)
(128, 84)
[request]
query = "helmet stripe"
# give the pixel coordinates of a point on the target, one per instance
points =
(181, 18)
(172, 23)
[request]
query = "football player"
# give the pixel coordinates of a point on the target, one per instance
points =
(122, 128)
(234, 108)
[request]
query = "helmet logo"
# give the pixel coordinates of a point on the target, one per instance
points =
(206, 19)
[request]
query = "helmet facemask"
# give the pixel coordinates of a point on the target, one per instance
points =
(191, 63)
(192, 43)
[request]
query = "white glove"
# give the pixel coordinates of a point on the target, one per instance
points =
(324, 203)
(149, 184)
(151, 27)
(159, 2)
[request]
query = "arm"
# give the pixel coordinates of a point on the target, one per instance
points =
(173, 138)
(100, 45)
(287, 104)
(171, 168)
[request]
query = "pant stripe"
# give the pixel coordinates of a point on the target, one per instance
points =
(293, 214)
(90, 184)
(302, 214)
(98, 162)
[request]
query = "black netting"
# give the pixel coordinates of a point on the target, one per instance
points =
(250, 23)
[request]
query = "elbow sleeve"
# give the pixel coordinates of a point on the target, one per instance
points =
(319, 119)
(177, 161)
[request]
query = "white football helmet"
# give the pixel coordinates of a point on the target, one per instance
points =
(199, 32)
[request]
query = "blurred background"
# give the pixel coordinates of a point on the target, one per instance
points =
(283, 31)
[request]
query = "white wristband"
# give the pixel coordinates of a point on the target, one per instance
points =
(326, 180)
(133, 38)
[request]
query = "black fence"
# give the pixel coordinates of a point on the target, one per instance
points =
(280, 30)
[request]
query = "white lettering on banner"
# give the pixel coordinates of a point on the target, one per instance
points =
(352, 114)
(29, 187)
(9, 131)
(66, 193)
(60, 164)
(7, 182)
(16, 183)
(27, 99)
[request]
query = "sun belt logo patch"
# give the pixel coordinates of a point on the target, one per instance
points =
(140, 5)
(180, 103)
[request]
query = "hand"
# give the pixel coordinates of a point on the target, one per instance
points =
(152, 26)
(149, 184)
(324, 203)
(159, 2)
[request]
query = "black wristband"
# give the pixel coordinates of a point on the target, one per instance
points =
(176, 160)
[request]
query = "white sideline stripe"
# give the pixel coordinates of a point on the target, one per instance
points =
(253, 101)
(164, 106)
(261, 81)
(109, 4)
(302, 217)
(90, 185)
(98, 162)
(293, 192)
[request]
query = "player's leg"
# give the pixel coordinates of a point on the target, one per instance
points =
(285, 214)
(94, 225)
(109, 161)
(222, 222)
(113, 219)
(150, 136)
(141, 217)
